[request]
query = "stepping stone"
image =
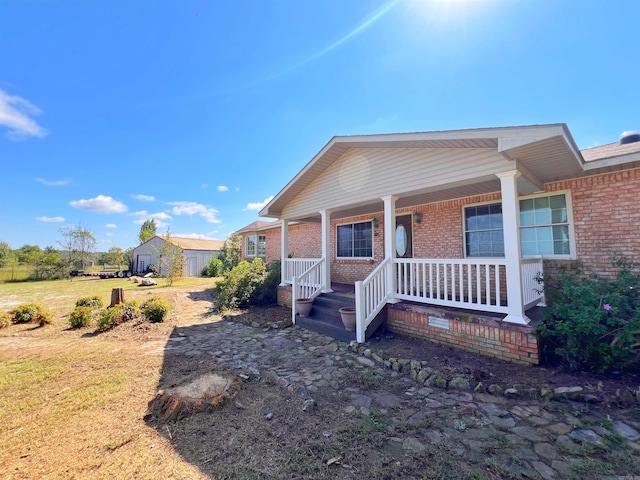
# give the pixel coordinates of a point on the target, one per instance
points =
(625, 431)
(586, 436)
(386, 399)
(546, 472)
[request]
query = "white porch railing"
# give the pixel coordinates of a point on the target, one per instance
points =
(296, 267)
(308, 285)
(532, 293)
(473, 283)
(371, 297)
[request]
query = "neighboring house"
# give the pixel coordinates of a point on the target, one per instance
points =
(196, 254)
(443, 234)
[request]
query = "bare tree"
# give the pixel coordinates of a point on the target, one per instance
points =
(79, 242)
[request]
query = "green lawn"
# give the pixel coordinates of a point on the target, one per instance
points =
(60, 296)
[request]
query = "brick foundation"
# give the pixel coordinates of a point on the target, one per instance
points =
(284, 295)
(476, 332)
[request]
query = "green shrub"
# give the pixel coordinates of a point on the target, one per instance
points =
(109, 318)
(238, 284)
(121, 313)
(156, 309)
(593, 322)
(5, 319)
(31, 313)
(130, 310)
(94, 302)
(266, 291)
(213, 269)
(81, 317)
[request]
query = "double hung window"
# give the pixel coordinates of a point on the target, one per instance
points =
(545, 228)
(355, 240)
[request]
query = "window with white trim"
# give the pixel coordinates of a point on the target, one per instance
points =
(355, 240)
(256, 245)
(262, 245)
(251, 246)
(545, 228)
(483, 231)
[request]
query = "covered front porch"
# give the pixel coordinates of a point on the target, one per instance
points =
(507, 286)
(432, 219)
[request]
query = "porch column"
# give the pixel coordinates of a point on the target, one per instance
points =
(390, 241)
(284, 253)
(325, 217)
(512, 250)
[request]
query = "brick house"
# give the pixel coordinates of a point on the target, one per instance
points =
(443, 234)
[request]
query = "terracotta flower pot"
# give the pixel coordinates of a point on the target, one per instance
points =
(348, 315)
(303, 306)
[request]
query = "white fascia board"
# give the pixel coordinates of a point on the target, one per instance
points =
(611, 161)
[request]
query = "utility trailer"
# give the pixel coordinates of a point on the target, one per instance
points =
(109, 274)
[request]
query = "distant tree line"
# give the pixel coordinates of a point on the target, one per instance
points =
(76, 253)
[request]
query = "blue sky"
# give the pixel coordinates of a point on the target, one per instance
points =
(195, 112)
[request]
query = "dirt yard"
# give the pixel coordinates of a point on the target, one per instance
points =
(73, 404)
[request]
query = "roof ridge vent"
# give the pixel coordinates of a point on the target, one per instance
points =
(631, 136)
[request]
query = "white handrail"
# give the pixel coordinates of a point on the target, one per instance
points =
(371, 296)
(308, 285)
(296, 267)
(532, 288)
(473, 283)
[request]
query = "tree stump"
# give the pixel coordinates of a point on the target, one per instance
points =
(117, 297)
(199, 394)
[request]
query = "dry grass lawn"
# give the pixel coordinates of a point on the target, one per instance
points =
(72, 404)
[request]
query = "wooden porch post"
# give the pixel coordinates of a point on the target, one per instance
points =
(512, 250)
(325, 217)
(284, 254)
(390, 242)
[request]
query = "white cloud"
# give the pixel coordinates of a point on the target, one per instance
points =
(53, 183)
(144, 198)
(100, 204)
(111, 225)
(222, 188)
(16, 113)
(204, 185)
(193, 208)
(258, 205)
(50, 219)
(161, 218)
(109, 234)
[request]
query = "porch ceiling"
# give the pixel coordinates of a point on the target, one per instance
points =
(549, 159)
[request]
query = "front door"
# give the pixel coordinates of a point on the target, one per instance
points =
(403, 237)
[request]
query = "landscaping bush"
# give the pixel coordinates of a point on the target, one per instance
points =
(213, 269)
(109, 318)
(94, 302)
(121, 313)
(5, 319)
(238, 284)
(266, 291)
(155, 309)
(81, 317)
(593, 322)
(31, 313)
(130, 310)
